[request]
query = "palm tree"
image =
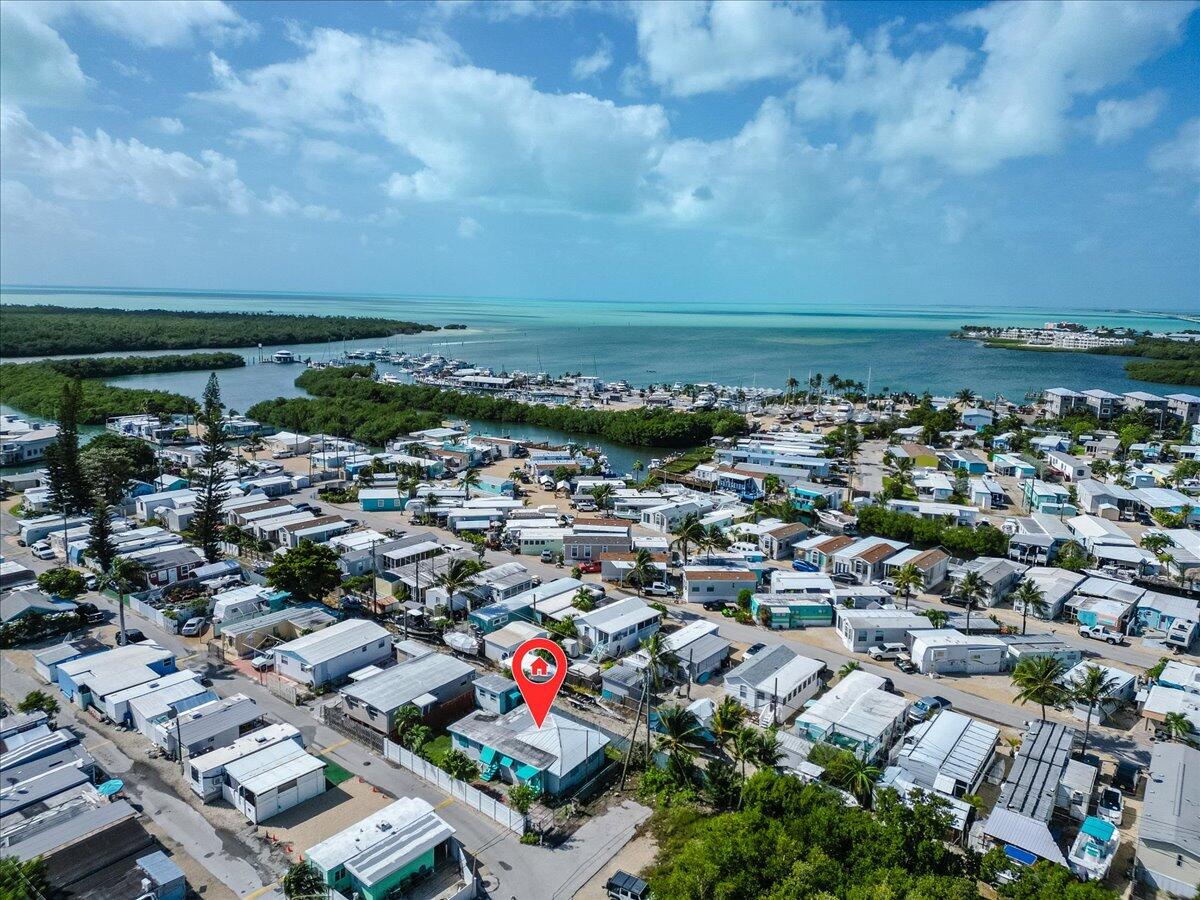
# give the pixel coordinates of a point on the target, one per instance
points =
(965, 396)
(767, 753)
(254, 446)
(1119, 470)
(742, 748)
(1030, 596)
(638, 467)
(687, 534)
(907, 579)
(458, 575)
(642, 570)
(658, 656)
(407, 718)
(123, 576)
(714, 539)
(583, 601)
(468, 480)
(771, 485)
(1091, 688)
(858, 776)
(602, 494)
(971, 590)
(1039, 679)
(680, 731)
(937, 617)
(848, 667)
(727, 718)
(1177, 727)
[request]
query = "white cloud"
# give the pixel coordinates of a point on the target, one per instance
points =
(468, 227)
(462, 132)
(1181, 154)
(955, 221)
(168, 125)
(972, 113)
(36, 65)
(163, 23)
(326, 152)
(506, 10)
(1115, 120)
(599, 60)
(692, 46)
(21, 211)
(38, 68)
(99, 167)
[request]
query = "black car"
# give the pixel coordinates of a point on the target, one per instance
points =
(754, 648)
(623, 886)
(131, 636)
(843, 578)
(1127, 776)
(714, 605)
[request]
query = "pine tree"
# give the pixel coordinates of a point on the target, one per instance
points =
(100, 537)
(206, 524)
(68, 488)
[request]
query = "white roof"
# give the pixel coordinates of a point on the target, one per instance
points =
(568, 742)
(330, 643)
(215, 760)
(857, 703)
(951, 637)
(1163, 700)
(272, 766)
(514, 633)
(618, 615)
(365, 834)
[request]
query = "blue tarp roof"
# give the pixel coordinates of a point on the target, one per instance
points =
(1098, 828)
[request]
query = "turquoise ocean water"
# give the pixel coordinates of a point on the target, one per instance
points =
(651, 342)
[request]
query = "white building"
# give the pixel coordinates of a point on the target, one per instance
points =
(206, 772)
(775, 682)
(272, 780)
(614, 630)
(945, 651)
(333, 653)
(855, 715)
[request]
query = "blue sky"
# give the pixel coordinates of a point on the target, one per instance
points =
(926, 152)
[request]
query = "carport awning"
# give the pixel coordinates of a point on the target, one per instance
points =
(487, 754)
(526, 771)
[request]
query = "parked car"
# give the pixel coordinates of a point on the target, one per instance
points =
(843, 578)
(660, 589)
(90, 612)
(589, 567)
(43, 552)
(887, 585)
(803, 565)
(754, 648)
(1111, 806)
(714, 605)
(262, 662)
(547, 556)
(131, 636)
(906, 665)
(90, 581)
(1127, 776)
(193, 627)
(623, 886)
(1100, 633)
(885, 651)
(926, 707)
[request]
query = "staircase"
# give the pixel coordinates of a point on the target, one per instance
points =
(488, 772)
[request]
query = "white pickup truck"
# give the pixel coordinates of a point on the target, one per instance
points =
(1100, 633)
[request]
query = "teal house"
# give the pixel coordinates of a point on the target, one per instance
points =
(495, 693)
(389, 853)
(495, 484)
(380, 499)
(553, 759)
(792, 610)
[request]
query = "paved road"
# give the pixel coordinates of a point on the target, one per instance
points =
(519, 870)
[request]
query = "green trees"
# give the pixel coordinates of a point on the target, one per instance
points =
(727, 718)
(207, 480)
(1039, 680)
(45, 330)
(101, 546)
(688, 533)
(937, 617)
(308, 572)
(121, 576)
(458, 576)
(907, 580)
(22, 880)
(62, 582)
(1092, 689)
(960, 541)
(302, 881)
(68, 488)
(1030, 596)
(458, 765)
(1177, 726)
(602, 494)
(375, 413)
(39, 701)
(658, 655)
(1071, 557)
(643, 571)
(521, 797)
(468, 480)
(971, 590)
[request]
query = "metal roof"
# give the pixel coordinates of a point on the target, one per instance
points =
(401, 684)
(401, 846)
(1038, 768)
(558, 746)
(272, 766)
(366, 833)
(1019, 830)
(213, 718)
(330, 643)
(1172, 798)
(949, 744)
(216, 760)
(776, 670)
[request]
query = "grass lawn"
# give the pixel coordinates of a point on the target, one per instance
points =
(334, 773)
(689, 460)
(437, 748)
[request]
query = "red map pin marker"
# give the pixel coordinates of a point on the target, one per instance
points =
(541, 685)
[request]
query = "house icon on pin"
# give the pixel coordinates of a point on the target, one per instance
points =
(539, 668)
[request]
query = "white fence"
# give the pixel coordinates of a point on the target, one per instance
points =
(459, 790)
